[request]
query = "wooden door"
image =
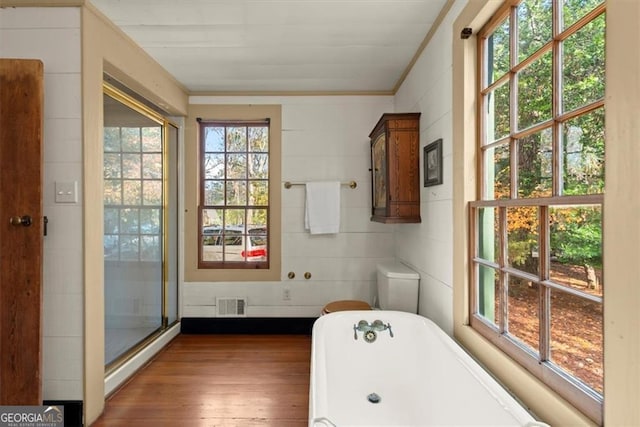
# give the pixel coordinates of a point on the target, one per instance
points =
(21, 231)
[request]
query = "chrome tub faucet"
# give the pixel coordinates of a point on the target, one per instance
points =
(370, 330)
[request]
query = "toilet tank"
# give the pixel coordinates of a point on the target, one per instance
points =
(397, 287)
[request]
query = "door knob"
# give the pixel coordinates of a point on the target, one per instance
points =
(24, 220)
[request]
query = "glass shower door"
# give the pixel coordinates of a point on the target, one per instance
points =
(134, 231)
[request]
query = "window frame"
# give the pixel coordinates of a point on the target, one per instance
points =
(223, 264)
(223, 108)
(576, 392)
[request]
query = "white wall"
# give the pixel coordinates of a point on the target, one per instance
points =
(323, 138)
(428, 247)
(53, 36)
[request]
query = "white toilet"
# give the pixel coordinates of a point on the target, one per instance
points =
(397, 287)
(397, 290)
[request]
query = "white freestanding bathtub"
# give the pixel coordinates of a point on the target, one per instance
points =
(401, 371)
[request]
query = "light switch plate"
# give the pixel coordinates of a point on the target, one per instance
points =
(67, 192)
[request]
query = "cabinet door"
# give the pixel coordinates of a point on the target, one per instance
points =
(379, 170)
(395, 162)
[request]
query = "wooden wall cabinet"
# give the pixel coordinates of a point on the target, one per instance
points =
(395, 168)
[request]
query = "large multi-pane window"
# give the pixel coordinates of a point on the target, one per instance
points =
(536, 228)
(234, 194)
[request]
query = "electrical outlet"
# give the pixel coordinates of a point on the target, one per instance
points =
(286, 294)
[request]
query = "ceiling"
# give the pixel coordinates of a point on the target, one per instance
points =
(250, 46)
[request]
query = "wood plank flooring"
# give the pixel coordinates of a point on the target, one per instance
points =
(218, 380)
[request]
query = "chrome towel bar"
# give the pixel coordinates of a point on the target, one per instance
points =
(288, 184)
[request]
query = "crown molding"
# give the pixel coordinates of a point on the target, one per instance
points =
(294, 93)
(42, 3)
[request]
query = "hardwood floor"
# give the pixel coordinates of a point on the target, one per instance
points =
(218, 380)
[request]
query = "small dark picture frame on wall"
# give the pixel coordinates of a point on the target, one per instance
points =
(433, 163)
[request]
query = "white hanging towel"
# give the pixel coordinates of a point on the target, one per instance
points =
(322, 208)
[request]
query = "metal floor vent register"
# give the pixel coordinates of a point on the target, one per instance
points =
(231, 307)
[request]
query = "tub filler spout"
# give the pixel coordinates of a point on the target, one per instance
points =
(369, 330)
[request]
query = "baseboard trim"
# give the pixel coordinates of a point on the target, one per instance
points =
(72, 411)
(247, 325)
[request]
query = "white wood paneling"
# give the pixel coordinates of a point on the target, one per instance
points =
(53, 36)
(428, 247)
(324, 138)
